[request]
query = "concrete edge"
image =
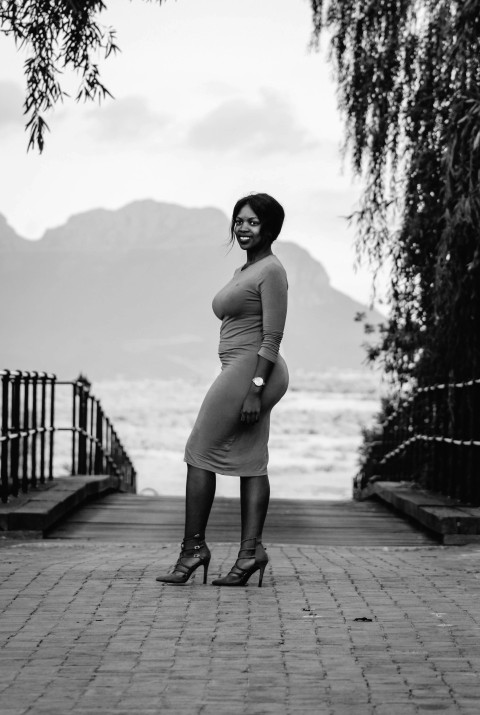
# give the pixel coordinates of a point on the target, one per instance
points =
(452, 522)
(32, 515)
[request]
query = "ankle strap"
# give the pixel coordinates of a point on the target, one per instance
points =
(192, 543)
(250, 550)
(196, 538)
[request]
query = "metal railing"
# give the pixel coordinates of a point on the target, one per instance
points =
(432, 438)
(28, 433)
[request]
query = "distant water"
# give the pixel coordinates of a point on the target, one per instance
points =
(314, 436)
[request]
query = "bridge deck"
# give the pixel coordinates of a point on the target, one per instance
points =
(136, 519)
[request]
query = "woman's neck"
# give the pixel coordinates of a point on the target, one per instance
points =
(253, 257)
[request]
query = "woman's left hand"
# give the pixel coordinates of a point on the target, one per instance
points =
(250, 412)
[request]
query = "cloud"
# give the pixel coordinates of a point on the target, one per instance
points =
(128, 119)
(11, 101)
(264, 126)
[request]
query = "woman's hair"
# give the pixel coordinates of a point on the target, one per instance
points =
(269, 212)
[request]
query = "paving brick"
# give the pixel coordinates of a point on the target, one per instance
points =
(86, 629)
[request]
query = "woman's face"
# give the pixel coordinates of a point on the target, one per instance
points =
(247, 229)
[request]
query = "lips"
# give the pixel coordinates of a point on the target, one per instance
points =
(244, 239)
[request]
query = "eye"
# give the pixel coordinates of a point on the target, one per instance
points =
(254, 222)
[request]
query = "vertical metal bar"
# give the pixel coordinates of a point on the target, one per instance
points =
(430, 432)
(412, 463)
(116, 468)
(26, 428)
(82, 426)
(43, 425)
(436, 428)
(444, 429)
(33, 449)
(384, 450)
(91, 433)
(98, 463)
(475, 435)
(418, 445)
(16, 428)
(462, 407)
(453, 476)
(108, 444)
(74, 428)
(450, 458)
(423, 446)
(52, 427)
(114, 448)
(440, 426)
(466, 436)
(5, 438)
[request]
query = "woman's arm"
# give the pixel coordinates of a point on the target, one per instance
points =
(273, 293)
(252, 403)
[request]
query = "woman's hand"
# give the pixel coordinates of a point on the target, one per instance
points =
(251, 409)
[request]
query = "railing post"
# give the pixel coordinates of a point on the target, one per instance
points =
(26, 430)
(84, 389)
(430, 431)
(4, 432)
(452, 477)
(43, 424)
(475, 435)
(90, 432)
(33, 450)
(74, 428)
(52, 427)
(461, 451)
(16, 427)
(98, 462)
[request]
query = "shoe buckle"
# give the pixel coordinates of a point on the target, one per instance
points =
(196, 547)
(196, 556)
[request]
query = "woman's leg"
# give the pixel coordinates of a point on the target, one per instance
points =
(254, 499)
(199, 495)
(200, 492)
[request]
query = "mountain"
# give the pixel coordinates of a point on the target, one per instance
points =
(128, 292)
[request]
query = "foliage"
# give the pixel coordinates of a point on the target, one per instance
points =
(58, 35)
(408, 76)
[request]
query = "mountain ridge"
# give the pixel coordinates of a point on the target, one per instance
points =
(128, 292)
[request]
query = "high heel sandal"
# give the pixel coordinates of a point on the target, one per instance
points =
(192, 548)
(238, 575)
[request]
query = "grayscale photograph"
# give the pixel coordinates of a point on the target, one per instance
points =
(239, 349)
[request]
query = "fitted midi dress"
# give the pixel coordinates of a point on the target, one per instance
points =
(252, 308)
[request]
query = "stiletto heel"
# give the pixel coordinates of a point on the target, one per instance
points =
(194, 553)
(260, 578)
(238, 575)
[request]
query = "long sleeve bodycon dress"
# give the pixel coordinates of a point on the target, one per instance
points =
(252, 308)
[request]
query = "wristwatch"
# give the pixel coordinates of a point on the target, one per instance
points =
(259, 381)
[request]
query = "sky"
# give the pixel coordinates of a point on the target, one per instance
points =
(213, 99)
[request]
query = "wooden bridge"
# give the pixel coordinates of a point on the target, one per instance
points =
(130, 518)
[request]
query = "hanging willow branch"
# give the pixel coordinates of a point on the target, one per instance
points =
(408, 74)
(58, 35)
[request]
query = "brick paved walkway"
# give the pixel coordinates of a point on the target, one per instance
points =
(85, 628)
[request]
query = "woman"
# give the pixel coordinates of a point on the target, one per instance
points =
(231, 432)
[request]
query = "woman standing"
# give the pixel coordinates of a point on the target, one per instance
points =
(230, 435)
